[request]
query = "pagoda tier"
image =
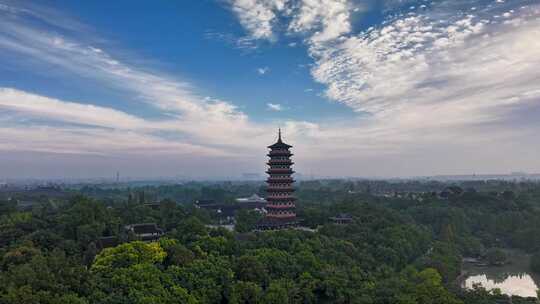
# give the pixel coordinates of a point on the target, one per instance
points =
(279, 153)
(280, 162)
(278, 171)
(281, 208)
(288, 188)
(280, 198)
(279, 180)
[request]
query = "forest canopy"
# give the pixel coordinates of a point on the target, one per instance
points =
(397, 248)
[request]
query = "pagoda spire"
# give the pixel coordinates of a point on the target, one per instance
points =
(279, 135)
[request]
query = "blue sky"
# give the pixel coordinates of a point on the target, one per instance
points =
(198, 88)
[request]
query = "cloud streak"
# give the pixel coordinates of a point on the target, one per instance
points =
(203, 120)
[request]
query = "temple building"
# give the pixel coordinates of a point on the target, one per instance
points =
(280, 207)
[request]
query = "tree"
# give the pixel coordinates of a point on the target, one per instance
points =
(126, 255)
(281, 291)
(141, 283)
(535, 262)
(246, 220)
(206, 279)
(250, 269)
(496, 256)
(177, 254)
(246, 293)
(190, 230)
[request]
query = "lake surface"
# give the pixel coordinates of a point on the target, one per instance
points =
(512, 279)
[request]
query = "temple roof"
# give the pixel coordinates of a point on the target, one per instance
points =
(279, 144)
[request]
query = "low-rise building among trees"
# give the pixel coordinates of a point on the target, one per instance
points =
(341, 219)
(145, 231)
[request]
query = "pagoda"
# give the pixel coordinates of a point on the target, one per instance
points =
(280, 207)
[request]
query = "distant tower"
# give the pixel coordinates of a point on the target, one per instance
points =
(117, 177)
(281, 202)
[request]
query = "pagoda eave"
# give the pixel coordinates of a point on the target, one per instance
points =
(279, 171)
(280, 181)
(287, 208)
(275, 199)
(281, 189)
(289, 154)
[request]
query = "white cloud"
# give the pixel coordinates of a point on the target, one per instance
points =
(430, 79)
(275, 107)
(324, 19)
(433, 61)
(263, 70)
(429, 88)
(203, 122)
(42, 107)
(206, 121)
(258, 16)
(91, 141)
(442, 67)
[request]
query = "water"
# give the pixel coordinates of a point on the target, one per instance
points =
(512, 279)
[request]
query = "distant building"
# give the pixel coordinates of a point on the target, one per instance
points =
(451, 191)
(204, 202)
(228, 212)
(107, 242)
(341, 219)
(281, 208)
(153, 205)
(252, 199)
(145, 231)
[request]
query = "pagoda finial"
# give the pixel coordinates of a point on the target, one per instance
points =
(279, 135)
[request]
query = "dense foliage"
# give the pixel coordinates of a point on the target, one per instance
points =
(535, 262)
(397, 249)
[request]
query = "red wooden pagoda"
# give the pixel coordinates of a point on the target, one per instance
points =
(280, 205)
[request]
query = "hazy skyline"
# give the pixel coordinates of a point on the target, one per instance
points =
(199, 88)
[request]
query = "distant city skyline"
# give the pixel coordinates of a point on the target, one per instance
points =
(198, 89)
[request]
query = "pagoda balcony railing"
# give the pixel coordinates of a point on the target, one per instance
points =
(272, 195)
(280, 186)
(275, 179)
(281, 215)
(280, 159)
(279, 153)
(279, 167)
(280, 162)
(279, 171)
(280, 189)
(281, 206)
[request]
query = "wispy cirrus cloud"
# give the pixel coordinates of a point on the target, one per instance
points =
(32, 105)
(203, 119)
(190, 121)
